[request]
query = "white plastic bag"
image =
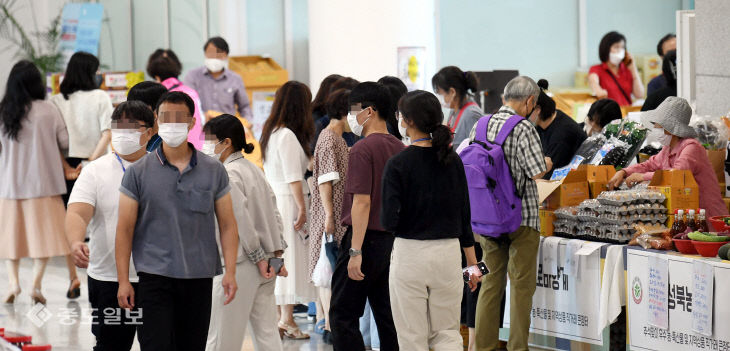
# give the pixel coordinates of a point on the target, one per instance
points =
(322, 275)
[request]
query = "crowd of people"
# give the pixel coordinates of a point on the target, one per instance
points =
(356, 198)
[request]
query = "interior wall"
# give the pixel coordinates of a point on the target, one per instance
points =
(540, 38)
(712, 40)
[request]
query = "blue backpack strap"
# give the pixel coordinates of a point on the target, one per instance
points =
(507, 128)
(482, 126)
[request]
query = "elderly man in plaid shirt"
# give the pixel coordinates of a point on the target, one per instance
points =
(515, 253)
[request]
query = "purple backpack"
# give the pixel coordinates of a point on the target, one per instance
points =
(496, 208)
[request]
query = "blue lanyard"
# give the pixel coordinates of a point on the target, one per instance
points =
(422, 139)
(120, 162)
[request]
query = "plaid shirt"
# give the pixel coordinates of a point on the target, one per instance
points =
(523, 152)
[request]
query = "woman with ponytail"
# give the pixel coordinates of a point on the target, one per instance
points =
(456, 89)
(425, 204)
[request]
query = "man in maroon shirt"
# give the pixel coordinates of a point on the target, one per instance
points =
(361, 272)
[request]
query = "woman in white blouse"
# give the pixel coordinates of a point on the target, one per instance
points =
(285, 142)
(87, 112)
(260, 233)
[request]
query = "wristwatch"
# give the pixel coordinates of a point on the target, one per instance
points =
(354, 252)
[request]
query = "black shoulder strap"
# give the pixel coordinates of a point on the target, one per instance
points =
(627, 96)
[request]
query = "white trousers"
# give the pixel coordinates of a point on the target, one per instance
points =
(426, 287)
(254, 303)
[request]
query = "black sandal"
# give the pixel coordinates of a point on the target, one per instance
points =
(74, 293)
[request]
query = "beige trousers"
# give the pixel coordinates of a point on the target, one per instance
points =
(426, 287)
(254, 303)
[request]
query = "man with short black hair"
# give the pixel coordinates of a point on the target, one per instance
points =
(149, 93)
(666, 44)
(93, 206)
(221, 90)
(362, 269)
(168, 206)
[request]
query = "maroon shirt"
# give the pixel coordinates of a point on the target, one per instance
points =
(365, 174)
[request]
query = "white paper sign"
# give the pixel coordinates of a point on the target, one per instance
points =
(588, 248)
(572, 261)
(702, 282)
(550, 247)
(657, 289)
(261, 104)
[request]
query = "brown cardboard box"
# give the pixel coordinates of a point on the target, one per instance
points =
(258, 73)
(722, 189)
(680, 188)
(717, 160)
(598, 177)
(547, 218)
(571, 191)
(727, 203)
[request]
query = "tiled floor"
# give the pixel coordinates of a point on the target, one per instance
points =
(66, 330)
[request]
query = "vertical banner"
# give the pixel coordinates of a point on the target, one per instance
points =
(412, 67)
(657, 292)
(566, 305)
(80, 29)
(683, 300)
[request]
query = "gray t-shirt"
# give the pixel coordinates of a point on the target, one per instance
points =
(472, 114)
(175, 232)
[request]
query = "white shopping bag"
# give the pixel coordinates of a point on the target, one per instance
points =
(322, 276)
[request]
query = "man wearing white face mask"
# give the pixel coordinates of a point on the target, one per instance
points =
(220, 89)
(93, 205)
(616, 77)
(170, 203)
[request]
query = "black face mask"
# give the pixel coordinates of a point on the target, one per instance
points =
(531, 111)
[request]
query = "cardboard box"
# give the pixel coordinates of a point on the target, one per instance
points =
(547, 219)
(723, 188)
(717, 160)
(597, 177)
(680, 188)
(727, 203)
(570, 191)
(258, 73)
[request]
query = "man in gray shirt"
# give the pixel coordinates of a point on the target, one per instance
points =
(219, 88)
(168, 206)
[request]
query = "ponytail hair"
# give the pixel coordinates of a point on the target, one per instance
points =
(424, 110)
(546, 103)
(464, 83)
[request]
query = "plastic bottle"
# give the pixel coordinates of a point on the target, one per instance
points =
(675, 225)
(702, 222)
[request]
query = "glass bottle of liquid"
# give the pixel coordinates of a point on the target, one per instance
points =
(682, 224)
(691, 221)
(702, 222)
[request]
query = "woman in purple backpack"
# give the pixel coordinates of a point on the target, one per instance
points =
(425, 203)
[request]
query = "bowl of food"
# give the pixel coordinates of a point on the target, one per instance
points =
(708, 248)
(720, 223)
(685, 246)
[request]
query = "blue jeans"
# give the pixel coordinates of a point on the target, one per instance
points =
(368, 328)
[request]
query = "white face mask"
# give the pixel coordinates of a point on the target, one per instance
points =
(665, 139)
(401, 128)
(616, 57)
(215, 65)
(173, 134)
(126, 141)
(354, 126)
(209, 149)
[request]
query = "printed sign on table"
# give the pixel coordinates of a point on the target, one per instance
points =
(261, 104)
(702, 283)
(565, 305)
(681, 303)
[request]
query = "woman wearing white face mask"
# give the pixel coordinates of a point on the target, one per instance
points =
(261, 238)
(681, 151)
(456, 89)
(221, 90)
(616, 77)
